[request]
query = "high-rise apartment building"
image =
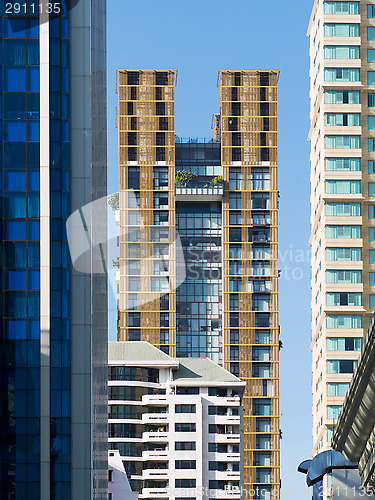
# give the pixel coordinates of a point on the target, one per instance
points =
(220, 197)
(53, 317)
(176, 423)
(342, 95)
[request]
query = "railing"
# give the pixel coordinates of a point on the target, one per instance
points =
(198, 183)
(193, 140)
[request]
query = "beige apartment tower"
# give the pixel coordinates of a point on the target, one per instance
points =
(213, 202)
(342, 136)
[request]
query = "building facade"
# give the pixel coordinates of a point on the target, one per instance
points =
(342, 94)
(218, 200)
(177, 423)
(54, 318)
(354, 434)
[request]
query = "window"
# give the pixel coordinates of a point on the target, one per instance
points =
(371, 100)
(343, 209)
(372, 301)
(371, 234)
(371, 212)
(261, 407)
(341, 187)
(160, 177)
(343, 119)
(185, 483)
(185, 409)
(337, 389)
(333, 411)
(185, 464)
(344, 299)
(187, 390)
(110, 476)
(185, 445)
(184, 427)
(260, 179)
(370, 55)
(215, 391)
(235, 179)
(341, 366)
(372, 257)
(352, 232)
(161, 217)
(371, 188)
(342, 141)
(372, 279)
(344, 321)
(343, 276)
(371, 167)
(371, 11)
(346, 164)
(160, 200)
(371, 77)
(235, 200)
(341, 29)
(342, 97)
(341, 52)
(341, 7)
(371, 122)
(344, 344)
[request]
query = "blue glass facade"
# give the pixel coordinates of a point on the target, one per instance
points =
(20, 348)
(20, 327)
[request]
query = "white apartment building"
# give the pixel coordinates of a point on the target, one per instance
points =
(342, 135)
(177, 423)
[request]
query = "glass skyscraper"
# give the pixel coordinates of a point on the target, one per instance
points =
(53, 317)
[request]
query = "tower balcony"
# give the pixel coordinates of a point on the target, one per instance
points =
(210, 189)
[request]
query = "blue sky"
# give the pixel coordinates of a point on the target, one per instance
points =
(198, 38)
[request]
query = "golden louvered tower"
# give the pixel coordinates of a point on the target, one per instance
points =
(241, 330)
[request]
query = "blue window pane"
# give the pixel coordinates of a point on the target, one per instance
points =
(33, 230)
(15, 79)
(15, 52)
(56, 229)
(65, 52)
(55, 79)
(55, 204)
(14, 27)
(55, 279)
(55, 50)
(15, 329)
(33, 52)
(55, 155)
(65, 176)
(33, 254)
(15, 280)
(15, 230)
(16, 155)
(56, 304)
(33, 329)
(65, 205)
(55, 180)
(56, 328)
(33, 27)
(33, 280)
(65, 304)
(55, 130)
(15, 105)
(33, 181)
(33, 155)
(65, 331)
(65, 130)
(33, 106)
(15, 304)
(15, 205)
(33, 205)
(371, 77)
(65, 155)
(15, 254)
(55, 254)
(15, 180)
(54, 27)
(15, 130)
(65, 79)
(33, 304)
(64, 28)
(66, 280)
(33, 79)
(33, 131)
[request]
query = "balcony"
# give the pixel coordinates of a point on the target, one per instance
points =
(155, 473)
(153, 492)
(155, 437)
(207, 189)
(155, 400)
(158, 455)
(154, 418)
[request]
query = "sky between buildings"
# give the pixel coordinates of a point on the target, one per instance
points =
(198, 38)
